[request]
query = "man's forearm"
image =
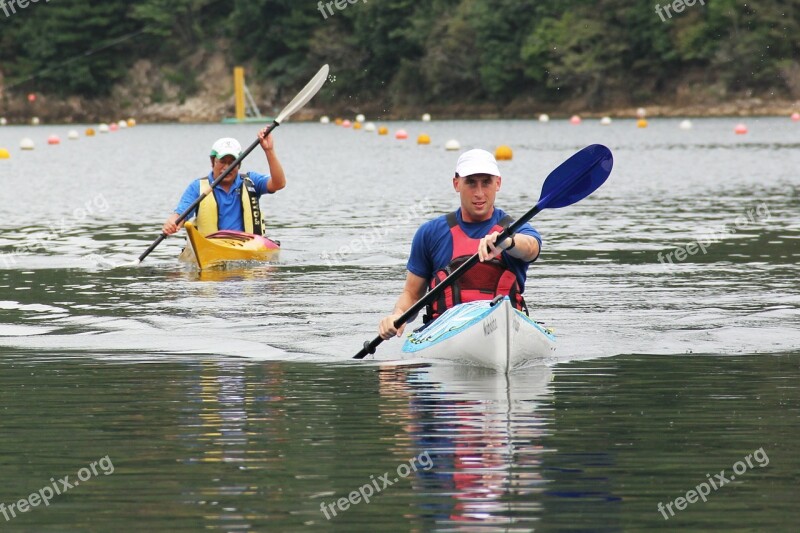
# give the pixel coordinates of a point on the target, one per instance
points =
(525, 248)
(276, 176)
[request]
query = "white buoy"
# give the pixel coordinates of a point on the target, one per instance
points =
(641, 112)
(325, 119)
(35, 121)
(73, 135)
(102, 128)
(605, 121)
(426, 117)
(3, 121)
(686, 124)
(360, 118)
(452, 145)
(26, 144)
(369, 126)
(544, 118)
(122, 124)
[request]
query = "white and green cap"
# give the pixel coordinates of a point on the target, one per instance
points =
(226, 146)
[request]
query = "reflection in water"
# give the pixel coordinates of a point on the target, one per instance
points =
(227, 406)
(484, 433)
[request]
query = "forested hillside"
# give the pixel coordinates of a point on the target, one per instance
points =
(410, 53)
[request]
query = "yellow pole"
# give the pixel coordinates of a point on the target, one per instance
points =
(238, 87)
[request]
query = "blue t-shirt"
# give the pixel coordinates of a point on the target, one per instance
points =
(432, 247)
(229, 203)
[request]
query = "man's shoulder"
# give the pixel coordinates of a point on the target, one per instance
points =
(434, 225)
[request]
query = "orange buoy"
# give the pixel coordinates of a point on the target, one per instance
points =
(89, 132)
(338, 122)
(740, 129)
(383, 130)
(641, 123)
(503, 153)
(423, 139)
(356, 125)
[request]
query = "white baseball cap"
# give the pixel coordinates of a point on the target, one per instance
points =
(477, 162)
(226, 146)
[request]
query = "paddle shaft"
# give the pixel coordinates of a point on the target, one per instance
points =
(200, 198)
(369, 347)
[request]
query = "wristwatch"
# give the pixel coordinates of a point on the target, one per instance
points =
(513, 244)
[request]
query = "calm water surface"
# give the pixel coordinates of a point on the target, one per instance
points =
(227, 401)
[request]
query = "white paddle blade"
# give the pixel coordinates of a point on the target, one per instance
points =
(308, 92)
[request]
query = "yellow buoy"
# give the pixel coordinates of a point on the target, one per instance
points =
(383, 130)
(641, 123)
(356, 125)
(423, 139)
(89, 132)
(4, 154)
(338, 121)
(503, 153)
(131, 122)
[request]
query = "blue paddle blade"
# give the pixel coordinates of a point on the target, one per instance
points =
(577, 177)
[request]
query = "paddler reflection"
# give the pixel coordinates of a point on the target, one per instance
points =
(481, 429)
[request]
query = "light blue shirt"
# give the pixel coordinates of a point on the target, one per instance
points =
(229, 203)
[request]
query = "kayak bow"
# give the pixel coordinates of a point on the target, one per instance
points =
(226, 246)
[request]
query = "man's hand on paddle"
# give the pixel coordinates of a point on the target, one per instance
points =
(387, 329)
(170, 227)
(487, 249)
(414, 290)
(267, 143)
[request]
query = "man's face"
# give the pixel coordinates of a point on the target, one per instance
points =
(477, 196)
(220, 165)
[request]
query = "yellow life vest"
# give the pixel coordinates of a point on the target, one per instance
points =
(207, 220)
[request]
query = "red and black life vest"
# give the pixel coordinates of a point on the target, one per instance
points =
(484, 281)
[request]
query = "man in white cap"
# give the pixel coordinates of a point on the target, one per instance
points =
(441, 245)
(233, 204)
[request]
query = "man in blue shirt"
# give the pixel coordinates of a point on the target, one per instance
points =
(233, 204)
(440, 244)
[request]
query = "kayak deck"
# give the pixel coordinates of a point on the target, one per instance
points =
(484, 334)
(226, 246)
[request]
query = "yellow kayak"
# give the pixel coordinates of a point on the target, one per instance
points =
(225, 246)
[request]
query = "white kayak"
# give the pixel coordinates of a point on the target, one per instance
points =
(490, 334)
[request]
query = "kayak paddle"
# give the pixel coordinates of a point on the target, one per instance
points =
(302, 98)
(573, 180)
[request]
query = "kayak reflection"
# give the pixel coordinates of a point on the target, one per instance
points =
(484, 432)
